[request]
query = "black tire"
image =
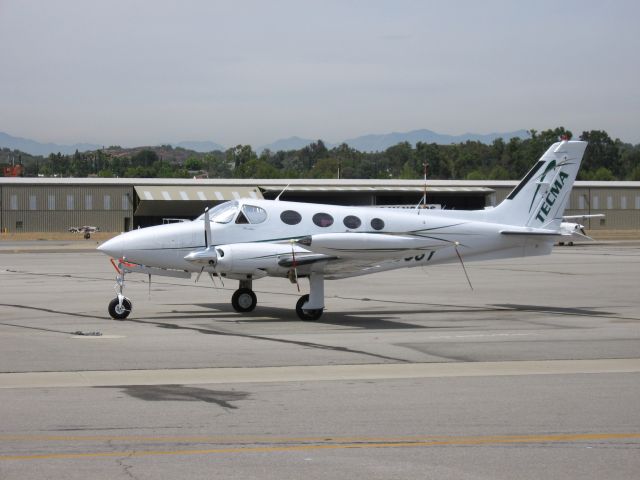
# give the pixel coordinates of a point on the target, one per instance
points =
(307, 315)
(87, 235)
(244, 300)
(117, 312)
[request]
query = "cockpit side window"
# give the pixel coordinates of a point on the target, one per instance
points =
(241, 218)
(223, 213)
(253, 214)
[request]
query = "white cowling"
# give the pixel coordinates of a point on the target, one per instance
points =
(249, 258)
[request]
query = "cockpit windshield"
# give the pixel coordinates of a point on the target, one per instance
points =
(223, 213)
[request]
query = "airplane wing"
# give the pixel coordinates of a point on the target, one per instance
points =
(353, 254)
(371, 246)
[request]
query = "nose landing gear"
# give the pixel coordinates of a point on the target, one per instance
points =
(120, 307)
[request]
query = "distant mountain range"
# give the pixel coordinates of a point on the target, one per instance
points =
(376, 143)
(201, 147)
(365, 143)
(36, 148)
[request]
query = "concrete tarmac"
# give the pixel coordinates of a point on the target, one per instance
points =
(409, 374)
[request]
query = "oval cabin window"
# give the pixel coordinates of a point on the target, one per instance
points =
(351, 221)
(290, 217)
(377, 224)
(323, 219)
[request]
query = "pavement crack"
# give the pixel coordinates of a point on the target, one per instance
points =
(299, 343)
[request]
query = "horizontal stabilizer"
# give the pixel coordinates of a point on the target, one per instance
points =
(582, 217)
(532, 232)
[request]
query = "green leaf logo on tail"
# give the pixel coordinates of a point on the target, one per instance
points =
(551, 166)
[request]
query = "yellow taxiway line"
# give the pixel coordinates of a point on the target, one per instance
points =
(296, 444)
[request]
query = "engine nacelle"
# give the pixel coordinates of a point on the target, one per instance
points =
(206, 256)
(251, 258)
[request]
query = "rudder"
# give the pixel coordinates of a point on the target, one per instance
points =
(539, 200)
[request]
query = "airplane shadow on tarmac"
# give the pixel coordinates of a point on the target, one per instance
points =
(373, 320)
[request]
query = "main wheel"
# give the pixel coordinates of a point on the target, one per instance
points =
(244, 300)
(307, 314)
(117, 311)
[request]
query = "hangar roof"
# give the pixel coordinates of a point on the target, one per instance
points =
(167, 200)
(200, 193)
(375, 188)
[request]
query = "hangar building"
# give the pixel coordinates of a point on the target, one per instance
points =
(121, 204)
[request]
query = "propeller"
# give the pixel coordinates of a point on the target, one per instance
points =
(207, 228)
(455, 246)
(208, 255)
(294, 267)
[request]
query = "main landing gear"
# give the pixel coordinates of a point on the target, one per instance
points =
(244, 300)
(309, 307)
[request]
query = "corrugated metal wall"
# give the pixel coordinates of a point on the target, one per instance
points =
(55, 208)
(51, 208)
(621, 207)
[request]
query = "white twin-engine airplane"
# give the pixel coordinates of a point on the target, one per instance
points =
(249, 239)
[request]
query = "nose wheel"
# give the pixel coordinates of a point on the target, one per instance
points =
(119, 309)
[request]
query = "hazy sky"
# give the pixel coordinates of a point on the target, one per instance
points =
(147, 72)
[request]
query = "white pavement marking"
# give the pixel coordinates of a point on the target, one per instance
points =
(193, 376)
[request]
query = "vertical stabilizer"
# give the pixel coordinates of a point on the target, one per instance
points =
(540, 198)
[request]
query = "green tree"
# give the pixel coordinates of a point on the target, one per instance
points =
(193, 163)
(601, 151)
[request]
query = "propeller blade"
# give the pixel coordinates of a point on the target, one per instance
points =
(207, 228)
(294, 265)
(217, 275)
(199, 273)
(462, 263)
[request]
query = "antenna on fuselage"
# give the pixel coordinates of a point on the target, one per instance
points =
(423, 200)
(283, 190)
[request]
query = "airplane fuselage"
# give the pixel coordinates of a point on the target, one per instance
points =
(423, 236)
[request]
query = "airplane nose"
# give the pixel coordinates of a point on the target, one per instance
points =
(112, 247)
